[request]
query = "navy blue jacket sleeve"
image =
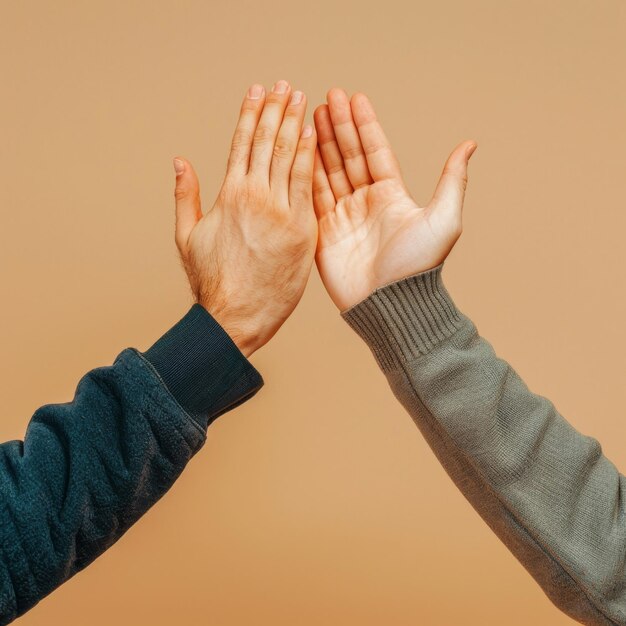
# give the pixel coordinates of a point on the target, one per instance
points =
(88, 469)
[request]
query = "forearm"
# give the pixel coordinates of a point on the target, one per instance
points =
(545, 489)
(88, 469)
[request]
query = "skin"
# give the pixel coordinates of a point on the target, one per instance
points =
(249, 257)
(371, 231)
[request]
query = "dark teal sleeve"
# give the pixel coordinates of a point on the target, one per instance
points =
(88, 469)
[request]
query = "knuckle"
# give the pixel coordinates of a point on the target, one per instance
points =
(180, 192)
(301, 175)
(353, 152)
(335, 168)
(320, 189)
(359, 183)
(264, 134)
(273, 99)
(249, 105)
(241, 138)
(374, 148)
(319, 193)
(453, 173)
(282, 149)
(236, 195)
(291, 113)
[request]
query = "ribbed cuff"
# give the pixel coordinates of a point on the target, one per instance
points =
(202, 367)
(406, 319)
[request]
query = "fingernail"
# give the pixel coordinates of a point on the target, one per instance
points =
(255, 92)
(307, 131)
(280, 87)
(471, 149)
(179, 166)
(296, 97)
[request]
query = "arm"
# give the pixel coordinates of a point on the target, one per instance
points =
(546, 490)
(88, 469)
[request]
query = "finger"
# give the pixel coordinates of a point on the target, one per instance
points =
(287, 142)
(251, 108)
(323, 198)
(450, 190)
(331, 155)
(348, 138)
(267, 128)
(187, 195)
(239, 158)
(381, 160)
(301, 176)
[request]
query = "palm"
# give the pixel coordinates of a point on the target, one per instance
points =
(371, 232)
(375, 235)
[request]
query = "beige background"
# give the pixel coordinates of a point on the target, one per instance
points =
(318, 502)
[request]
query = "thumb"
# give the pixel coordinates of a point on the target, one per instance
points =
(450, 191)
(187, 195)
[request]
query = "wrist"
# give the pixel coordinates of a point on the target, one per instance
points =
(246, 342)
(404, 320)
(243, 333)
(201, 367)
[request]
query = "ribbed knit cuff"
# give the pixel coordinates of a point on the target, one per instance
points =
(406, 319)
(202, 367)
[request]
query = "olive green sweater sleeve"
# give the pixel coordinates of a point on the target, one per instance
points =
(545, 489)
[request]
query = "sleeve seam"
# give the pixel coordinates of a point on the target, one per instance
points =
(154, 371)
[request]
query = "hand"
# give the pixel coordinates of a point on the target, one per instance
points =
(371, 231)
(248, 259)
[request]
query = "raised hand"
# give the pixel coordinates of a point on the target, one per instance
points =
(371, 231)
(248, 259)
